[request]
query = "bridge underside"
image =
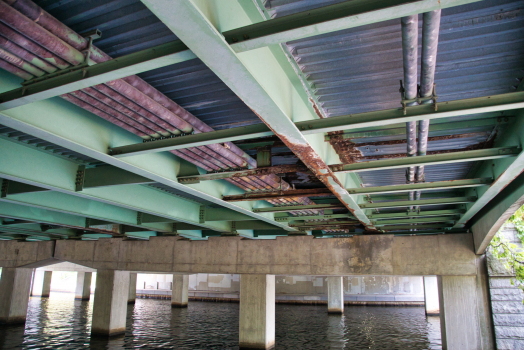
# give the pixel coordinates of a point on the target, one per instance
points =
(131, 130)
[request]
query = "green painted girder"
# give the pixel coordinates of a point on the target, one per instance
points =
(13, 187)
(190, 25)
(257, 233)
(432, 159)
(404, 196)
(323, 20)
(451, 219)
(437, 185)
(255, 225)
(59, 122)
(323, 223)
(39, 215)
(495, 103)
(445, 129)
(74, 205)
(298, 208)
(392, 163)
(138, 62)
(415, 227)
(108, 175)
(503, 171)
(392, 204)
(221, 214)
(118, 204)
(415, 214)
(422, 202)
(293, 219)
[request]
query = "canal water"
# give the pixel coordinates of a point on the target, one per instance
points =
(60, 322)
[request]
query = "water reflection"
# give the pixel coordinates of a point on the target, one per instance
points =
(61, 322)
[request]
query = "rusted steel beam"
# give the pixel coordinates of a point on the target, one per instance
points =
(441, 158)
(255, 196)
(279, 169)
(324, 192)
(299, 207)
(451, 157)
(422, 202)
(415, 227)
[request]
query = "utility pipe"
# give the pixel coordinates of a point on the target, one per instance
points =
(409, 26)
(430, 33)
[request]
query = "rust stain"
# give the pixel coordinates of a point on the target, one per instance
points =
(316, 109)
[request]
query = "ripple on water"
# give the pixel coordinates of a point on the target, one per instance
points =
(61, 322)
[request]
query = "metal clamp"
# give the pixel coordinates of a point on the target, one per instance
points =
(419, 100)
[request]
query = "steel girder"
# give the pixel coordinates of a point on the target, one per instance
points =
(209, 45)
(68, 126)
(487, 104)
(298, 26)
(25, 164)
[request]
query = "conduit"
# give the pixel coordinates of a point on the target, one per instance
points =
(430, 32)
(33, 43)
(410, 57)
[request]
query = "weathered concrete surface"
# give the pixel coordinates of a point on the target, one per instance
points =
(257, 312)
(179, 291)
(459, 321)
(83, 285)
(431, 295)
(465, 316)
(26, 254)
(42, 283)
(110, 304)
(14, 295)
(359, 255)
(66, 266)
(132, 288)
(335, 294)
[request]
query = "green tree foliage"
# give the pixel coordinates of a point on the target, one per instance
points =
(509, 253)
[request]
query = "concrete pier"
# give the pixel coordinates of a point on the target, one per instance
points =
(83, 285)
(179, 290)
(335, 295)
(131, 298)
(459, 320)
(110, 308)
(431, 296)
(42, 283)
(14, 294)
(257, 312)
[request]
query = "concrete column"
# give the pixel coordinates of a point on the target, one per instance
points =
(42, 283)
(460, 324)
(179, 291)
(257, 311)
(83, 285)
(132, 288)
(110, 307)
(335, 295)
(431, 295)
(15, 285)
